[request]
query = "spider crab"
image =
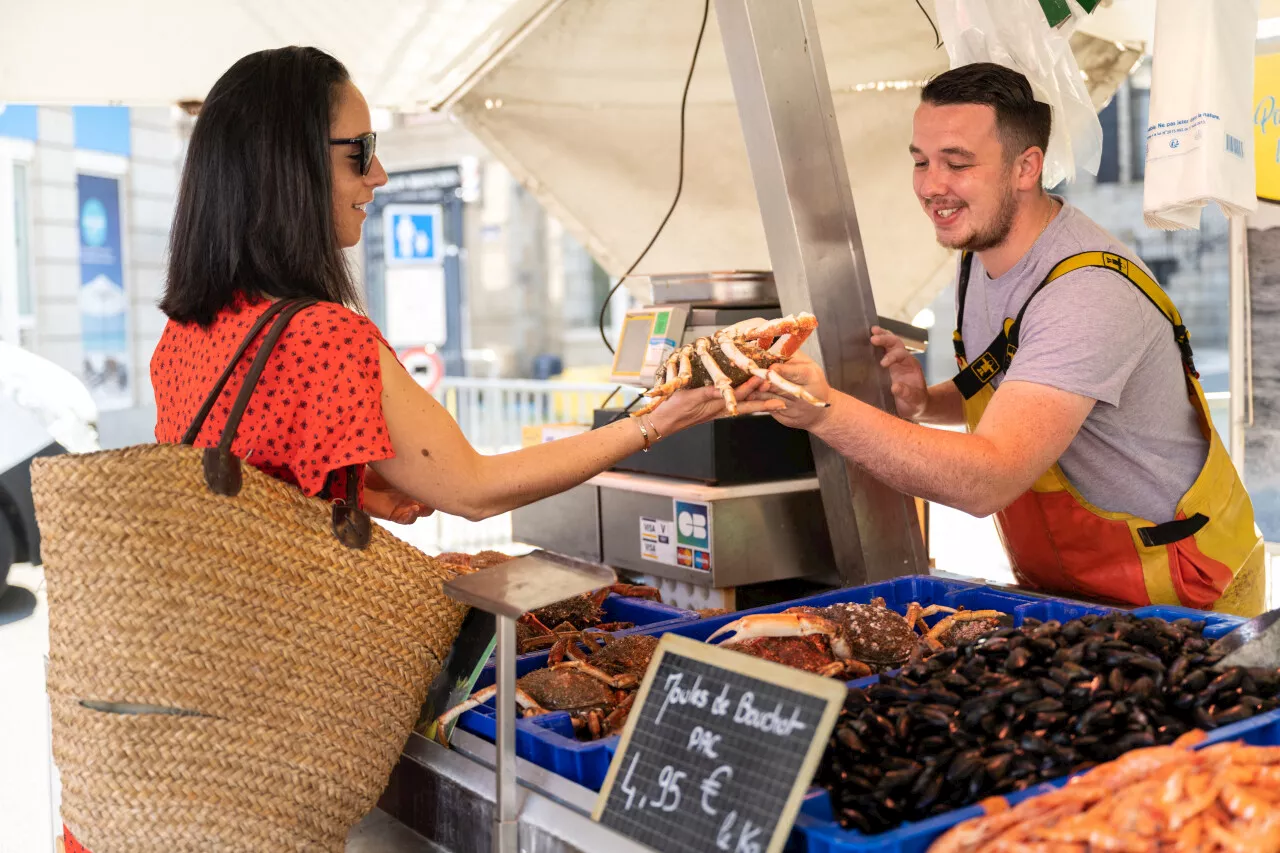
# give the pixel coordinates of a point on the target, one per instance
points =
(568, 618)
(849, 640)
(596, 688)
(732, 356)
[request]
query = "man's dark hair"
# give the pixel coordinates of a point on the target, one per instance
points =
(255, 205)
(1021, 121)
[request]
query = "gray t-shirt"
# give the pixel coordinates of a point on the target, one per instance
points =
(1093, 333)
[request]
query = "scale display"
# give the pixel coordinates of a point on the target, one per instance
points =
(649, 335)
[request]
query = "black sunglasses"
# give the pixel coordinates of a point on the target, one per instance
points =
(367, 142)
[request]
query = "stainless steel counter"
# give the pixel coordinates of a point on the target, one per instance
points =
(446, 796)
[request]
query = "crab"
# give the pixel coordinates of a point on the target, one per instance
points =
(568, 618)
(852, 640)
(597, 688)
(731, 357)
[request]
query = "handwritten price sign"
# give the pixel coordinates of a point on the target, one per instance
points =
(718, 752)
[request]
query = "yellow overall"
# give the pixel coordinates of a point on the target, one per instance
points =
(1210, 556)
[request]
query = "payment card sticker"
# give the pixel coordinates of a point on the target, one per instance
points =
(693, 524)
(657, 541)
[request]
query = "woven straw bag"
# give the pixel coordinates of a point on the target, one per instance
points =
(232, 665)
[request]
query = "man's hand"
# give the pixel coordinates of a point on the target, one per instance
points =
(383, 500)
(805, 372)
(910, 391)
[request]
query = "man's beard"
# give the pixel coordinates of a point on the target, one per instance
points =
(996, 230)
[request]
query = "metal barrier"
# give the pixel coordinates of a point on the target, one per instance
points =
(493, 414)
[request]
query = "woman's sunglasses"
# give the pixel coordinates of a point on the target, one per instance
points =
(367, 142)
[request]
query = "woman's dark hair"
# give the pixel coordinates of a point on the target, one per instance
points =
(1021, 121)
(255, 206)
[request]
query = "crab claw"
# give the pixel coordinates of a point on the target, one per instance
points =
(785, 625)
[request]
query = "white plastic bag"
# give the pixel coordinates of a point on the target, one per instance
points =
(1016, 34)
(1200, 128)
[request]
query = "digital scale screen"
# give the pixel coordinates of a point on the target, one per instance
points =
(634, 344)
(648, 337)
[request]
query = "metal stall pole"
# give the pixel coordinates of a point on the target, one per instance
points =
(802, 184)
(506, 820)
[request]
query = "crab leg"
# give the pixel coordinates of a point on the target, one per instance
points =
(619, 682)
(523, 699)
(722, 382)
(678, 379)
(796, 327)
(739, 358)
(786, 625)
(916, 614)
(966, 616)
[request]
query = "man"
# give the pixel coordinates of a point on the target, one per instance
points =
(1088, 434)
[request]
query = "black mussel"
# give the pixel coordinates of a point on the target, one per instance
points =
(903, 727)
(1049, 687)
(939, 696)
(1228, 680)
(927, 788)
(1185, 701)
(896, 779)
(956, 681)
(1135, 740)
(964, 765)
(1049, 720)
(1144, 687)
(1048, 704)
(989, 646)
(1035, 744)
(1232, 715)
(1203, 718)
(853, 819)
(998, 766)
(1196, 682)
(1195, 644)
(1019, 659)
(885, 693)
(1116, 680)
(1025, 694)
(849, 739)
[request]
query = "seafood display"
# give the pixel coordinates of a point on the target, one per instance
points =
(731, 357)
(596, 687)
(847, 640)
(567, 618)
(1220, 798)
(573, 616)
(1024, 705)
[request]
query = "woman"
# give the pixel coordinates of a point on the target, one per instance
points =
(279, 168)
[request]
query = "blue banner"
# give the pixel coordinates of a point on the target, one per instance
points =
(103, 304)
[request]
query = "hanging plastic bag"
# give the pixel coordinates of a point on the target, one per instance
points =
(1016, 34)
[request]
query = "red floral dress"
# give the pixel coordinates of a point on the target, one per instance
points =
(318, 405)
(317, 408)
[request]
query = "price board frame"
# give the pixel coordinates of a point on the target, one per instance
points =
(829, 691)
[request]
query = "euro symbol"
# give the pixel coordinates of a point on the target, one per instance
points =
(711, 788)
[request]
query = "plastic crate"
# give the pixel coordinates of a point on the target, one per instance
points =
(548, 740)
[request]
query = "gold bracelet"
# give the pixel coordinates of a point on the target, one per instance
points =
(657, 436)
(644, 433)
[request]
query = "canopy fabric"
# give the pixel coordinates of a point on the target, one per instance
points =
(578, 97)
(584, 109)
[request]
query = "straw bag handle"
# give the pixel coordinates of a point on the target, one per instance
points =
(351, 525)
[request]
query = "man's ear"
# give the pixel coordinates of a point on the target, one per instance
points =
(1030, 169)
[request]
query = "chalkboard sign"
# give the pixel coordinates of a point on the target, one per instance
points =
(718, 751)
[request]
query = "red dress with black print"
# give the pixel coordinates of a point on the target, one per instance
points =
(318, 405)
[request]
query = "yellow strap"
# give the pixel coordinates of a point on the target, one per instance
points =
(1126, 268)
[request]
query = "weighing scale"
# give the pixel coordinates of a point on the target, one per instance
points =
(725, 514)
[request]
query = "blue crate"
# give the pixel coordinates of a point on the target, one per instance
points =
(648, 616)
(1216, 625)
(548, 740)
